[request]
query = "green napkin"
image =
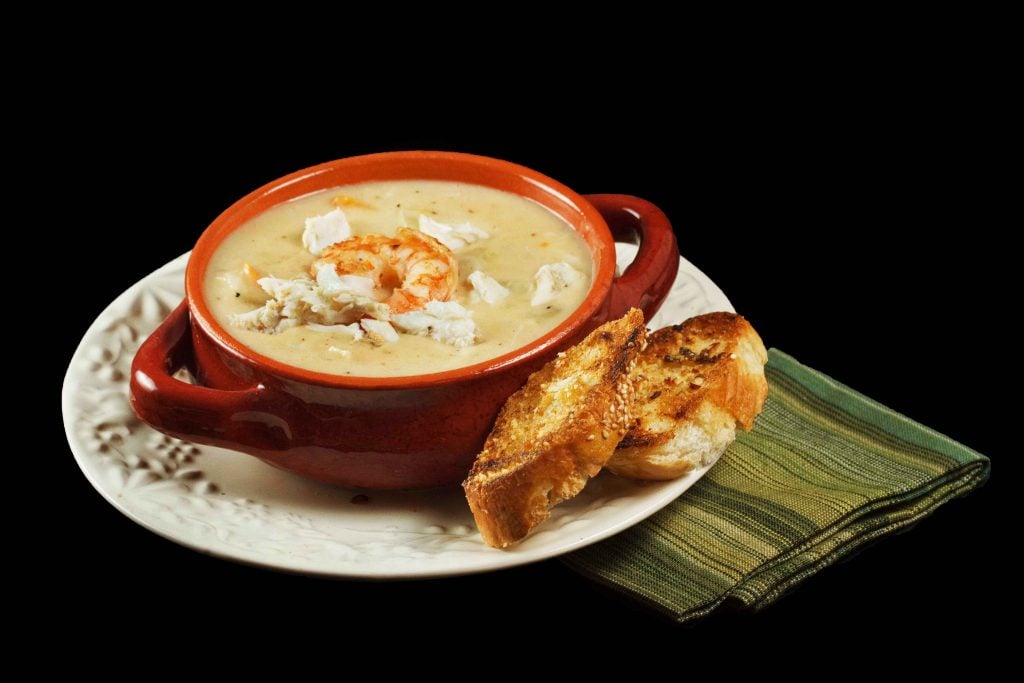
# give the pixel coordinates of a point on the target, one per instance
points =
(824, 471)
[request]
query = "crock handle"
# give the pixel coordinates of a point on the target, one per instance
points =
(196, 413)
(647, 280)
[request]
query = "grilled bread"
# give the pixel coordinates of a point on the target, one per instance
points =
(556, 432)
(694, 383)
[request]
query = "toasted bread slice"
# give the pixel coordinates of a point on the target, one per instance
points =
(556, 432)
(695, 382)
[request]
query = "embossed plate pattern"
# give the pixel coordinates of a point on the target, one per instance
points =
(231, 505)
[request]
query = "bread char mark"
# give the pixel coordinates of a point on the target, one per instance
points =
(705, 363)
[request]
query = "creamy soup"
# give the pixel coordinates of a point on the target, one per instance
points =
(521, 270)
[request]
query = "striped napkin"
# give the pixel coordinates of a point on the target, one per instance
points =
(824, 471)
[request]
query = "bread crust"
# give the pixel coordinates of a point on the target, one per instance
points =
(556, 432)
(695, 383)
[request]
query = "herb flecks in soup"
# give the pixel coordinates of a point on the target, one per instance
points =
(397, 278)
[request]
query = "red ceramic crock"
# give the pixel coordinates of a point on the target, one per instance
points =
(373, 432)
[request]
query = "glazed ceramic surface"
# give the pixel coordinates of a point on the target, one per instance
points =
(382, 432)
(228, 504)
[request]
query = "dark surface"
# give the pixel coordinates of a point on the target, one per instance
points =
(854, 243)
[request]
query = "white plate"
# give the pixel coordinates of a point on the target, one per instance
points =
(234, 506)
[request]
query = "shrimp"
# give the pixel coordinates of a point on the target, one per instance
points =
(414, 266)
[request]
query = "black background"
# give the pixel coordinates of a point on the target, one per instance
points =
(855, 233)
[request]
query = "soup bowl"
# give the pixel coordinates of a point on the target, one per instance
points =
(416, 431)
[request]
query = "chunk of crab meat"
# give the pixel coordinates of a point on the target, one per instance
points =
(453, 236)
(266, 318)
(324, 230)
(551, 280)
(486, 288)
(301, 300)
(379, 331)
(333, 285)
(444, 321)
